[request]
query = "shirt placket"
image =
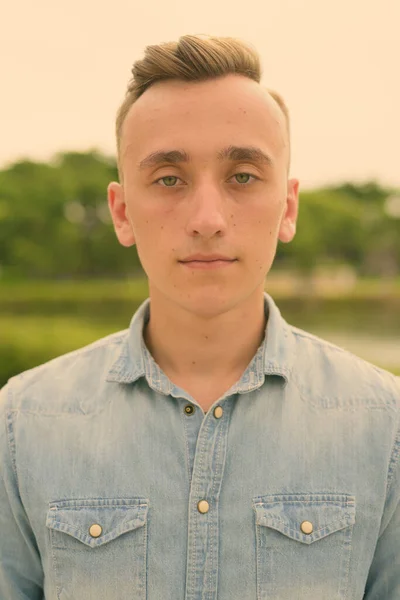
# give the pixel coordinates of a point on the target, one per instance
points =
(203, 519)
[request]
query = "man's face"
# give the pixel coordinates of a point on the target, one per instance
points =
(237, 205)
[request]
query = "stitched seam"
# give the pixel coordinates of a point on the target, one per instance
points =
(394, 460)
(326, 344)
(352, 403)
(258, 569)
(319, 341)
(115, 503)
(56, 576)
(200, 469)
(294, 533)
(79, 352)
(183, 415)
(349, 542)
(11, 442)
(310, 502)
(143, 568)
(221, 432)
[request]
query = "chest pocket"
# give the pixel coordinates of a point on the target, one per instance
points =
(303, 545)
(99, 548)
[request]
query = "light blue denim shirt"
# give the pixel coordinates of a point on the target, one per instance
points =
(116, 485)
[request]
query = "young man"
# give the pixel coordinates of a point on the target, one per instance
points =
(211, 451)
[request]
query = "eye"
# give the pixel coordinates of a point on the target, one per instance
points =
(171, 180)
(244, 178)
(168, 181)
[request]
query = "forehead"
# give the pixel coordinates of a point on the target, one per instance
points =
(204, 116)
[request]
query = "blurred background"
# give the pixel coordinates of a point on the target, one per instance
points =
(64, 279)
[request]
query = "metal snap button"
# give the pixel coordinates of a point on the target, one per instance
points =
(189, 409)
(218, 412)
(95, 530)
(203, 506)
(307, 527)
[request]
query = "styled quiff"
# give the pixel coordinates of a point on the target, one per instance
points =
(192, 58)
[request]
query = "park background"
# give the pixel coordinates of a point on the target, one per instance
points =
(64, 279)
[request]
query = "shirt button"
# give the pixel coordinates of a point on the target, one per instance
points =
(218, 412)
(189, 409)
(307, 527)
(95, 530)
(203, 506)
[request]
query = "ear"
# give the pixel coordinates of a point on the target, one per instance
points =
(287, 229)
(119, 214)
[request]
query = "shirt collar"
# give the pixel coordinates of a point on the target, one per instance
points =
(273, 357)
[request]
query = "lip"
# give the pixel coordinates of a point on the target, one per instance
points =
(207, 264)
(206, 257)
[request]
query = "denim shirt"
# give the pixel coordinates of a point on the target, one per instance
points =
(115, 484)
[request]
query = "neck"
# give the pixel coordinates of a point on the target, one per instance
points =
(191, 347)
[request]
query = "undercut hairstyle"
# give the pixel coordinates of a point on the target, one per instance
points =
(192, 58)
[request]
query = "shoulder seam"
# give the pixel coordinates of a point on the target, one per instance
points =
(318, 340)
(322, 343)
(103, 342)
(98, 343)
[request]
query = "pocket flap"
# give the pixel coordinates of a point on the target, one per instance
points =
(115, 516)
(287, 513)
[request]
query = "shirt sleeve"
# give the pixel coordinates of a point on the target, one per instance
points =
(384, 574)
(21, 573)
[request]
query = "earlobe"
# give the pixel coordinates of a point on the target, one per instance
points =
(287, 231)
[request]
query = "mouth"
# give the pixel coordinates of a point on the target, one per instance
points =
(208, 264)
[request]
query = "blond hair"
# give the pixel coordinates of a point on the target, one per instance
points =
(192, 58)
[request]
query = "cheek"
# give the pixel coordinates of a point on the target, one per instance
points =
(155, 240)
(263, 225)
(143, 220)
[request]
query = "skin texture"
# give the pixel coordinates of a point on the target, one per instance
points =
(205, 325)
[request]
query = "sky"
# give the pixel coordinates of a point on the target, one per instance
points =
(64, 68)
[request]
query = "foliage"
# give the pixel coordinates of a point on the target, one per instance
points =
(42, 320)
(55, 224)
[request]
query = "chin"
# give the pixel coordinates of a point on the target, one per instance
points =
(208, 301)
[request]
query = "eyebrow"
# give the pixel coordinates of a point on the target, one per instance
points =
(232, 153)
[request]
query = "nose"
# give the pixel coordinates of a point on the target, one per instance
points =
(207, 213)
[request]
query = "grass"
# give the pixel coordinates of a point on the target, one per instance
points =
(49, 335)
(137, 289)
(61, 291)
(43, 320)
(34, 340)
